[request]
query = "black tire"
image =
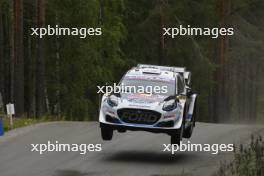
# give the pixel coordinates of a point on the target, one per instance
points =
(188, 131)
(106, 134)
(177, 137)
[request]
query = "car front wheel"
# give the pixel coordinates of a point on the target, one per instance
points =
(177, 136)
(107, 134)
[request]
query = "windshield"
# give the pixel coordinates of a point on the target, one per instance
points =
(150, 86)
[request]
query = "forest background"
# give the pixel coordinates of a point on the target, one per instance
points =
(58, 75)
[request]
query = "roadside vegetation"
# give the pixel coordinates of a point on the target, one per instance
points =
(24, 121)
(248, 161)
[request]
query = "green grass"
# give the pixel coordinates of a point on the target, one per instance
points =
(21, 122)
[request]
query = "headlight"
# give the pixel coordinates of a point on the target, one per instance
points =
(169, 105)
(112, 101)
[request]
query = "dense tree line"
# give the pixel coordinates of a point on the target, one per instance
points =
(58, 75)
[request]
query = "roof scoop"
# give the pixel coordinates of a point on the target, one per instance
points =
(155, 71)
(163, 68)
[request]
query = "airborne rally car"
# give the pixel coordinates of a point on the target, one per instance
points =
(170, 110)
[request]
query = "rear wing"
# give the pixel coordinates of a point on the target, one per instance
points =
(182, 70)
(187, 77)
(163, 68)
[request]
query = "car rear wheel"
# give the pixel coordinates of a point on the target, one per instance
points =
(106, 134)
(188, 132)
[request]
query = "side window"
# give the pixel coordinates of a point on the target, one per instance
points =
(180, 85)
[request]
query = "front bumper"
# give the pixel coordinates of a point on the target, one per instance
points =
(169, 122)
(122, 127)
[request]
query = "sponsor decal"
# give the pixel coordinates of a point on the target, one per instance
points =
(139, 116)
(144, 98)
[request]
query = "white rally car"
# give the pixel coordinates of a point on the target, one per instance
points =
(171, 111)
